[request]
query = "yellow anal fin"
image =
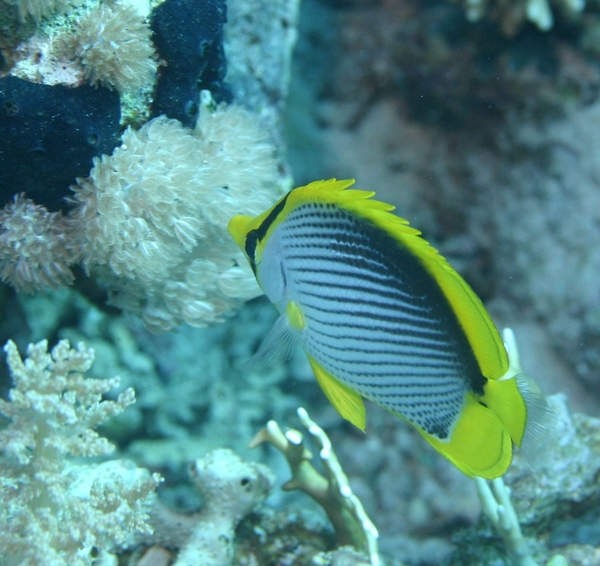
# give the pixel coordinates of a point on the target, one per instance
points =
(347, 402)
(479, 445)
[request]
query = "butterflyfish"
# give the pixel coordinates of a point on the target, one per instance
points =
(383, 316)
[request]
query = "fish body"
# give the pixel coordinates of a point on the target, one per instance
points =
(381, 315)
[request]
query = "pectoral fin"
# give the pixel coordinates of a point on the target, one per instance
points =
(347, 402)
(276, 347)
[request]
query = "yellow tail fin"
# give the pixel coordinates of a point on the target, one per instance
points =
(525, 414)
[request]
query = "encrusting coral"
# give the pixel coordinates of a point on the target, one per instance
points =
(36, 249)
(54, 510)
(231, 489)
(114, 46)
(153, 216)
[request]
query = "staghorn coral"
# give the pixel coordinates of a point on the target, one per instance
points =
(153, 216)
(350, 521)
(498, 508)
(36, 248)
(542, 516)
(115, 48)
(496, 504)
(55, 511)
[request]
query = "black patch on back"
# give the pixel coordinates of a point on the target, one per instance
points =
(411, 276)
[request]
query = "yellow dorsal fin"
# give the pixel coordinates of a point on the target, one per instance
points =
(347, 402)
(473, 317)
(479, 445)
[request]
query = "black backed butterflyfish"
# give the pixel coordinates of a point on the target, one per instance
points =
(383, 316)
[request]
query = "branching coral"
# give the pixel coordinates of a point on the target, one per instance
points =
(55, 511)
(36, 249)
(153, 216)
(498, 508)
(37, 9)
(115, 49)
(514, 13)
(351, 523)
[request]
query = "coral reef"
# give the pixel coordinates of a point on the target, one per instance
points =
(509, 194)
(351, 523)
(514, 13)
(38, 9)
(153, 216)
(114, 46)
(540, 500)
(192, 394)
(258, 56)
(548, 502)
(151, 219)
(35, 248)
(55, 508)
(49, 135)
(189, 39)
(231, 488)
(107, 44)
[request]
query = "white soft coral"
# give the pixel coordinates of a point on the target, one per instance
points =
(54, 510)
(152, 217)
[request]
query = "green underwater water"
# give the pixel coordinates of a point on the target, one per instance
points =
(485, 140)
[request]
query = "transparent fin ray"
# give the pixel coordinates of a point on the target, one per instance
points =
(276, 347)
(541, 423)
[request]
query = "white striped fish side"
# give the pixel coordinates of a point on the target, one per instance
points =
(375, 319)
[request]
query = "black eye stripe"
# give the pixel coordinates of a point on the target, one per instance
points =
(255, 236)
(251, 241)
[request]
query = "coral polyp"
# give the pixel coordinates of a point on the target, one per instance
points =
(115, 48)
